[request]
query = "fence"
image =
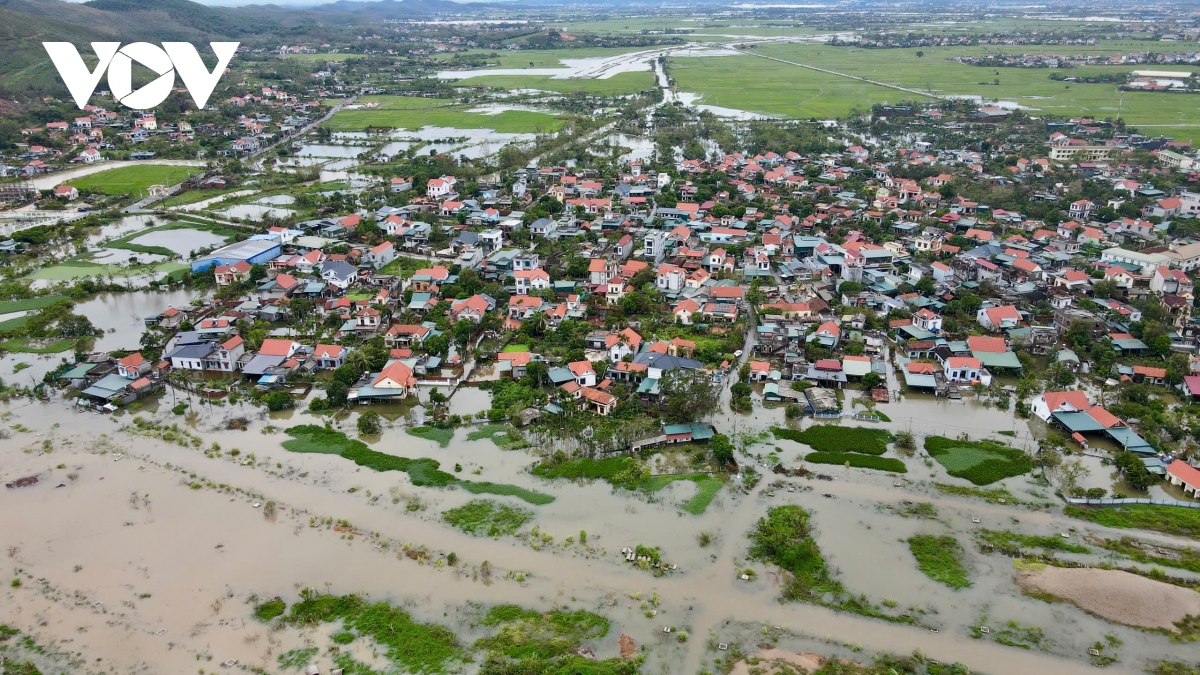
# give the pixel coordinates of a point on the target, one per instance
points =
(1119, 502)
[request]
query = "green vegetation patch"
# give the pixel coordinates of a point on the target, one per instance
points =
(784, 538)
(26, 304)
(623, 472)
(413, 646)
(270, 609)
(436, 434)
(133, 180)
(707, 489)
(1184, 559)
(484, 517)
(423, 472)
(940, 559)
(1006, 540)
(31, 346)
(514, 349)
(1174, 668)
(487, 431)
(295, 659)
(401, 112)
(524, 633)
(981, 462)
(993, 495)
(834, 438)
(629, 474)
(621, 83)
(889, 464)
(1167, 519)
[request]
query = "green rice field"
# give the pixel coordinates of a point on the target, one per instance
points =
(405, 112)
(765, 86)
(133, 179)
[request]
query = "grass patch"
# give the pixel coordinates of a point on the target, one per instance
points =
(923, 510)
(402, 112)
(981, 462)
(784, 538)
(31, 346)
(133, 180)
(1007, 540)
(296, 659)
(487, 431)
(1166, 519)
(621, 83)
(269, 610)
(423, 472)
(707, 489)
(623, 472)
(1184, 559)
(514, 349)
(1174, 668)
(483, 517)
(26, 304)
(440, 436)
(544, 643)
(14, 323)
(834, 438)
(413, 646)
(940, 559)
(993, 495)
(1014, 634)
(525, 633)
(889, 464)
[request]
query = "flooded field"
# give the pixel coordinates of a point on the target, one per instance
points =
(122, 315)
(182, 242)
(347, 151)
(167, 537)
(256, 212)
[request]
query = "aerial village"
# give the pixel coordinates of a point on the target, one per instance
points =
(571, 291)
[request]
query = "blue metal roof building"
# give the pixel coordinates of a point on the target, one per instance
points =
(253, 251)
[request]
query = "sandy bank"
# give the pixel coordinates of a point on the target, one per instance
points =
(1115, 595)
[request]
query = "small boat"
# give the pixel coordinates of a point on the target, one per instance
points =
(975, 519)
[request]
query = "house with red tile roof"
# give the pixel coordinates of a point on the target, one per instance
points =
(1186, 476)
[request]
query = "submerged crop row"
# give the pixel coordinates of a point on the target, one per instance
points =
(423, 472)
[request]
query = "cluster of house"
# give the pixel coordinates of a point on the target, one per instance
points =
(89, 135)
(704, 255)
(1073, 412)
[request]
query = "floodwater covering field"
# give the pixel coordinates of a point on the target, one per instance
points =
(141, 546)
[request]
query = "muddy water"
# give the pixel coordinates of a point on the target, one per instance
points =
(189, 549)
(122, 315)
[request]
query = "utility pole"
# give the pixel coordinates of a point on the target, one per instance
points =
(1120, 103)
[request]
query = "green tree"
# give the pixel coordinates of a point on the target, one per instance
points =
(370, 423)
(336, 394)
(687, 395)
(278, 400)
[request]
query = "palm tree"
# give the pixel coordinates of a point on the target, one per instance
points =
(537, 324)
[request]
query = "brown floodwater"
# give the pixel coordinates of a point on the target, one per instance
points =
(134, 534)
